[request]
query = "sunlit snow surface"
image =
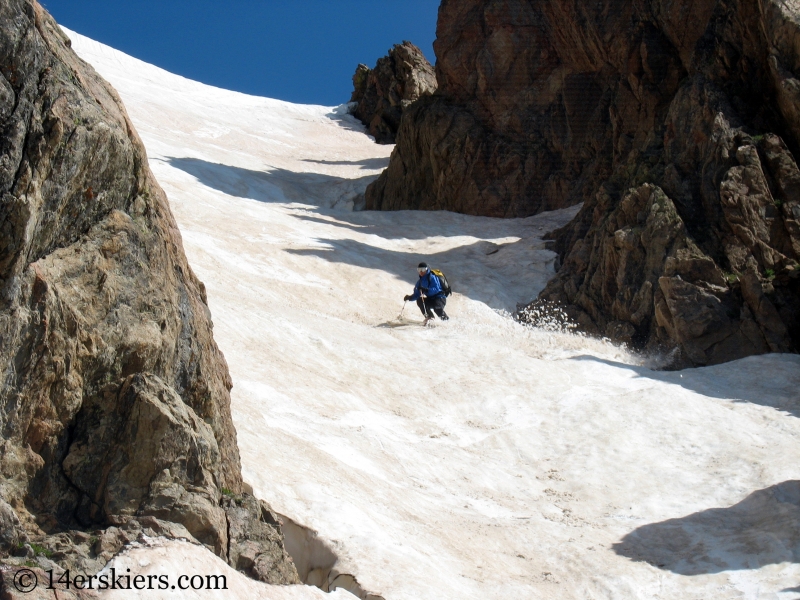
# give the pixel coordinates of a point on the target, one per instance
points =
(181, 564)
(477, 459)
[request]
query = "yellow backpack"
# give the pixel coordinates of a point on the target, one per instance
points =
(442, 281)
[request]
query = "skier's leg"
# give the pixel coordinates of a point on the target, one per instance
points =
(421, 304)
(429, 305)
(439, 308)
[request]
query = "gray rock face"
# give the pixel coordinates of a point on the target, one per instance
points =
(114, 398)
(383, 93)
(715, 292)
(255, 541)
(143, 451)
(10, 529)
(520, 122)
(638, 276)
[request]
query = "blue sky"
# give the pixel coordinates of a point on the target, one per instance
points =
(296, 50)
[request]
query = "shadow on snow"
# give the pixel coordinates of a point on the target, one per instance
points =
(729, 382)
(763, 529)
(366, 163)
(320, 192)
(274, 185)
(315, 190)
(489, 287)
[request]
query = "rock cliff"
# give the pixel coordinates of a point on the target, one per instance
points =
(677, 124)
(114, 398)
(383, 93)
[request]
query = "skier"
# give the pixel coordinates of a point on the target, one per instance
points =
(429, 294)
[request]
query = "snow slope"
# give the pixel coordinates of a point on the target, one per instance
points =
(182, 563)
(477, 459)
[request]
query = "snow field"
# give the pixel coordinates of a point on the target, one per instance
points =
(476, 459)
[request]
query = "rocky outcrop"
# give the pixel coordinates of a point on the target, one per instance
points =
(114, 398)
(382, 94)
(676, 124)
(520, 122)
(638, 276)
(719, 279)
(255, 541)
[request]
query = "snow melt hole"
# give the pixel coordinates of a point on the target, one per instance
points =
(315, 561)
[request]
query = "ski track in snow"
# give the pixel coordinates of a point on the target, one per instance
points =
(477, 459)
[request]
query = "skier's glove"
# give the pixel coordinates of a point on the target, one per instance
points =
(406, 298)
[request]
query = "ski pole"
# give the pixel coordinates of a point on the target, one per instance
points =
(423, 297)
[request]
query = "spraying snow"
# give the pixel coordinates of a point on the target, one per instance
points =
(478, 459)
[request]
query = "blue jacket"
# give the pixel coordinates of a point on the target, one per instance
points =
(429, 285)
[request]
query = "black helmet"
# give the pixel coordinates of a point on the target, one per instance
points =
(422, 266)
